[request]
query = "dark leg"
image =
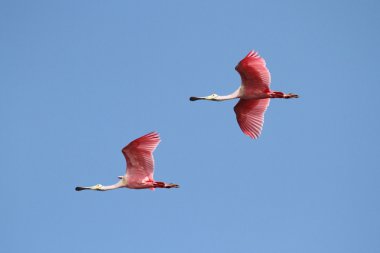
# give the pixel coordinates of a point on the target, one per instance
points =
(164, 185)
(278, 94)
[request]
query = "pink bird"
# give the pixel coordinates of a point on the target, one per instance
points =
(254, 94)
(140, 166)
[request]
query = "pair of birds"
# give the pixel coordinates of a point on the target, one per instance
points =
(254, 94)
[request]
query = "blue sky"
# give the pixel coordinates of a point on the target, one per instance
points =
(81, 79)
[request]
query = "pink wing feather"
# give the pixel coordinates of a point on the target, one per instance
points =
(250, 115)
(254, 74)
(139, 157)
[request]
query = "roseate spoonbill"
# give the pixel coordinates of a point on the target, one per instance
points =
(254, 94)
(140, 166)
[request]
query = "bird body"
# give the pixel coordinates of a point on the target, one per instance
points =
(140, 166)
(254, 94)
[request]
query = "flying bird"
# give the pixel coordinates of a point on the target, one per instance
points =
(254, 94)
(140, 166)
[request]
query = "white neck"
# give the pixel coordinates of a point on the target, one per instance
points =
(233, 95)
(113, 187)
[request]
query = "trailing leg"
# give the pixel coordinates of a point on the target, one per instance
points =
(279, 94)
(164, 185)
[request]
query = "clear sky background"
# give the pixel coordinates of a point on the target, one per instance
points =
(81, 79)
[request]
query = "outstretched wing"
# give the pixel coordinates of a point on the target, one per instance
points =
(250, 115)
(254, 73)
(139, 156)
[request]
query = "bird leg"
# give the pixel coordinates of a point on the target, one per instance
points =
(279, 94)
(164, 185)
(291, 95)
(170, 185)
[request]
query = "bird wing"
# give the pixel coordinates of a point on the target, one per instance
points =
(139, 157)
(254, 73)
(250, 115)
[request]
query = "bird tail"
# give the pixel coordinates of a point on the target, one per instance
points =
(164, 185)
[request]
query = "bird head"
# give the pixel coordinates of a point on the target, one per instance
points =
(97, 187)
(212, 97)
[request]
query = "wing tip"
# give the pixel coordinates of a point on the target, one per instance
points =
(251, 135)
(253, 53)
(252, 56)
(153, 134)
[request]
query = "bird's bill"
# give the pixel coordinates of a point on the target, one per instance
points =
(81, 188)
(200, 98)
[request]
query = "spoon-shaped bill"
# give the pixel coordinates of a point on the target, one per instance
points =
(199, 98)
(80, 188)
(195, 98)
